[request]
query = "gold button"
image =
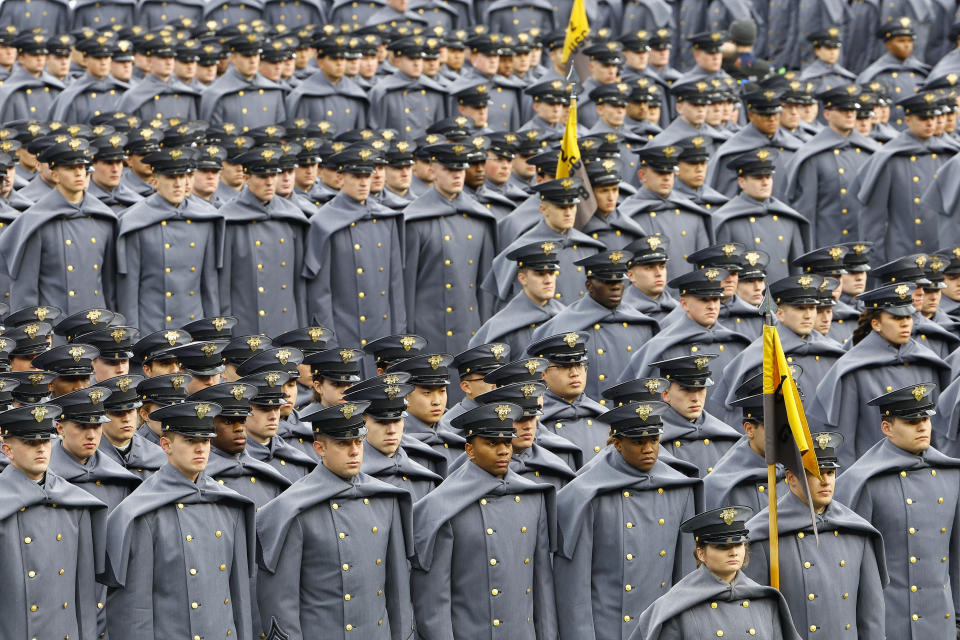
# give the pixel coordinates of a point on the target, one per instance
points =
(345, 567)
(629, 525)
(493, 562)
(31, 574)
(719, 633)
(223, 567)
(627, 587)
(806, 565)
(663, 553)
(349, 627)
(33, 607)
(496, 622)
(811, 596)
(193, 572)
(27, 540)
(800, 535)
(913, 559)
(346, 596)
(813, 627)
(494, 592)
(194, 605)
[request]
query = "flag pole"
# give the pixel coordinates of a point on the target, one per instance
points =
(768, 308)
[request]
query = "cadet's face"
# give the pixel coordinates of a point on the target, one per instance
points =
(65, 384)
(751, 290)
(703, 311)
(357, 185)
(9, 177)
(566, 380)
(523, 168)
(427, 404)
(271, 70)
(798, 318)
(205, 182)
(384, 436)
(604, 73)
(342, 457)
(490, 454)
(263, 187)
(173, 189)
(331, 392)
(498, 168)
(505, 66)
(853, 284)
(188, 455)
(398, 178)
(821, 489)
(910, 434)
(378, 178)
(952, 280)
(475, 175)
(32, 457)
(931, 301)
(8, 55)
(692, 174)
(730, 283)
(290, 395)
(107, 173)
(368, 66)
(864, 126)
(660, 57)
(607, 293)
(73, 180)
(694, 114)
(121, 69)
(639, 453)
(33, 63)
(540, 286)
(757, 187)
(160, 368)
(841, 120)
(809, 112)
(650, 278)
(790, 115)
(824, 319)
(767, 124)
(198, 382)
(331, 178)
(139, 167)
(723, 560)
(829, 55)
(98, 67)
(59, 66)
(638, 110)
(161, 67)
(262, 423)
(559, 217)
(485, 64)
(413, 67)
(478, 114)
(285, 183)
(119, 431)
(80, 440)
(607, 197)
(893, 329)
(549, 112)
(306, 175)
(449, 182)
(715, 111)
(709, 62)
(660, 183)
(185, 70)
(900, 46)
(612, 114)
(687, 401)
(231, 437)
(526, 429)
(246, 66)
(923, 127)
(333, 68)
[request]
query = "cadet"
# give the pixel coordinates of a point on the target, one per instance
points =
(509, 108)
(740, 475)
(558, 205)
(735, 311)
(823, 598)
(29, 91)
(796, 298)
(155, 393)
(169, 243)
(472, 367)
(445, 305)
(883, 350)
(151, 351)
(94, 92)
(406, 100)
(426, 404)
(181, 544)
(333, 372)
(355, 233)
(609, 224)
(695, 332)
(718, 594)
(51, 248)
(549, 99)
(139, 143)
(242, 95)
(121, 442)
(605, 61)
(647, 272)
(536, 303)
(898, 68)
(72, 365)
(263, 424)
(202, 360)
(611, 101)
(327, 94)
(260, 281)
(618, 523)
(757, 219)
(336, 520)
(617, 329)
(692, 101)
(229, 462)
(910, 163)
(567, 410)
(763, 131)
(43, 540)
(825, 70)
(909, 490)
(160, 94)
(820, 176)
(504, 580)
(206, 180)
(663, 213)
(388, 454)
(106, 179)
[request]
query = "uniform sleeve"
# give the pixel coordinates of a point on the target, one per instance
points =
(130, 608)
(432, 599)
(871, 621)
(226, 275)
(25, 284)
(299, 284)
(805, 194)
(874, 215)
(209, 282)
(398, 292)
(240, 582)
(128, 282)
(108, 270)
(683, 561)
(573, 583)
(487, 301)
(87, 587)
(278, 593)
(670, 630)
(319, 295)
(411, 272)
(399, 606)
(544, 604)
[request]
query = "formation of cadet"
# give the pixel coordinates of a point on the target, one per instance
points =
(302, 336)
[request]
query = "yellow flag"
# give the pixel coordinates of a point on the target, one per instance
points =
(775, 369)
(577, 29)
(569, 149)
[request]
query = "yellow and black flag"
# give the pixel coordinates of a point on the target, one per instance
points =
(577, 29)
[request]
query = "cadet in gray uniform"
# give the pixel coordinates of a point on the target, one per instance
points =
(836, 584)
(180, 548)
(29, 91)
(96, 91)
(909, 490)
(50, 554)
(717, 599)
(120, 440)
(327, 94)
(621, 546)
(333, 548)
(483, 541)
(160, 94)
(157, 392)
(406, 100)
(242, 95)
(169, 249)
(51, 249)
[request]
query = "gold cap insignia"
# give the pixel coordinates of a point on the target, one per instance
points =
(902, 291)
(458, 149)
(391, 379)
(644, 411)
(175, 154)
(616, 257)
(728, 516)
(435, 361)
(3, 344)
(833, 32)
(267, 154)
(918, 392)
(804, 282)
(254, 342)
(35, 378)
(177, 381)
(823, 286)
(391, 392)
(407, 342)
(836, 253)
(904, 21)
(346, 355)
(532, 366)
(39, 413)
(653, 242)
(76, 353)
(124, 384)
(668, 152)
(95, 396)
(315, 333)
(364, 154)
(75, 144)
(711, 274)
(936, 264)
(41, 313)
(31, 330)
(752, 257)
(548, 247)
(348, 410)
(202, 409)
(702, 362)
(823, 440)
(237, 392)
(729, 249)
(716, 35)
(921, 261)
(171, 337)
(503, 411)
(652, 385)
(571, 339)
(763, 154)
(208, 349)
(929, 97)
(272, 378)
(859, 249)
(118, 335)
(609, 164)
(528, 390)
(497, 351)
(93, 315)
(697, 142)
(283, 355)
(219, 323)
